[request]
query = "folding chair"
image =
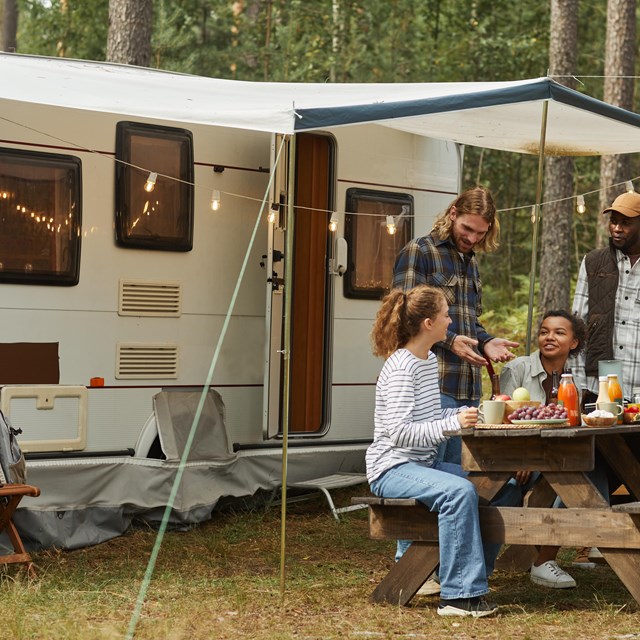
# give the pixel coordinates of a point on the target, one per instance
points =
(10, 497)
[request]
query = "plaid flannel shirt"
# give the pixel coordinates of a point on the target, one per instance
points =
(626, 329)
(429, 260)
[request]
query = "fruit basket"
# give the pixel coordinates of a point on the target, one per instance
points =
(631, 414)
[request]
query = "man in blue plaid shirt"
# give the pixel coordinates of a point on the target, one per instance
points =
(445, 259)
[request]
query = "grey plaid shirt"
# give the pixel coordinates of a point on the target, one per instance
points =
(626, 330)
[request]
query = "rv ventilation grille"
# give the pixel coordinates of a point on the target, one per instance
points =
(147, 361)
(146, 298)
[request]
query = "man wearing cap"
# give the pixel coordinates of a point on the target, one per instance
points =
(607, 298)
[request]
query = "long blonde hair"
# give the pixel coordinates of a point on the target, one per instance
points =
(476, 201)
(400, 316)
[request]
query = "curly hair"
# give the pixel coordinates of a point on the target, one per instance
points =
(475, 201)
(578, 327)
(400, 316)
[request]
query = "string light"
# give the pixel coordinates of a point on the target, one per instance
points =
(273, 212)
(218, 169)
(215, 200)
(391, 225)
(150, 184)
(580, 205)
(333, 223)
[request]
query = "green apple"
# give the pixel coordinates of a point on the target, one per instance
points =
(521, 395)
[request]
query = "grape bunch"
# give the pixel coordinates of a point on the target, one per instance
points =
(549, 411)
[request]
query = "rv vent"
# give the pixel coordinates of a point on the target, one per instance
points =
(147, 361)
(145, 298)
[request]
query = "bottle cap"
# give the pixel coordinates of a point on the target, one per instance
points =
(602, 378)
(612, 375)
(566, 375)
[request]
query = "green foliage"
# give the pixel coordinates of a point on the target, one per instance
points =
(69, 28)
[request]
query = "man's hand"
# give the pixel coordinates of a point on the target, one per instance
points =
(468, 417)
(464, 348)
(498, 349)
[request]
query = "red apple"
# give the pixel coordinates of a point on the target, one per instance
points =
(504, 397)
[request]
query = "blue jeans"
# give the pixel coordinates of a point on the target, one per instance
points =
(444, 490)
(451, 449)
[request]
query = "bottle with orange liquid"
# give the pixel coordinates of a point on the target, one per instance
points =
(615, 391)
(568, 397)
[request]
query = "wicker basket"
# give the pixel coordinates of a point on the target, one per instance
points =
(599, 422)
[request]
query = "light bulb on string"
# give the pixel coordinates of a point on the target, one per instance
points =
(215, 200)
(333, 223)
(273, 212)
(628, 185)
(580, 205)
(391, 225)
(150, 184)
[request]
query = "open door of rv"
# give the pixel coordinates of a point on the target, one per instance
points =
(311, 289)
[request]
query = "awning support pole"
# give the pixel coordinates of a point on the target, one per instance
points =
(286, 354)
(536, 223)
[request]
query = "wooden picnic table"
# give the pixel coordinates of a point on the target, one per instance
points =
(491, 453)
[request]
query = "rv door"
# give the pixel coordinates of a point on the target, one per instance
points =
(311, 289)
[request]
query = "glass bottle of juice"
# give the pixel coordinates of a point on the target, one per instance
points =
(568, 396)
(615, 392)
(555, 383)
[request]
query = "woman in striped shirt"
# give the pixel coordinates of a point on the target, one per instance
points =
(409, 426)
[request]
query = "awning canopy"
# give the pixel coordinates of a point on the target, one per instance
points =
(496, 115)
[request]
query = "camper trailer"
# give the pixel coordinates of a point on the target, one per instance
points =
(144, 281)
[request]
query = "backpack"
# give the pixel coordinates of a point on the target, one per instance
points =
(13, 468)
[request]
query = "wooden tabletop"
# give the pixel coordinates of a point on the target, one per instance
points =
(544, 431)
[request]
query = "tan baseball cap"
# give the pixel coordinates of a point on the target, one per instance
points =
(628, 204)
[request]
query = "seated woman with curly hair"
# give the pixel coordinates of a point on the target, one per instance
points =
(561, 335)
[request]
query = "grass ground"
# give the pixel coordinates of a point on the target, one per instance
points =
(222, 580)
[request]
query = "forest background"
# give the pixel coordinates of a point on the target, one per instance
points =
(385, 41)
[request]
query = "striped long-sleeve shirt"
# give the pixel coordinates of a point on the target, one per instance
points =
(409, 422)
(429, 260)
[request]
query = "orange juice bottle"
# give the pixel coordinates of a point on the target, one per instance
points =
(568, 397)
(615, 391)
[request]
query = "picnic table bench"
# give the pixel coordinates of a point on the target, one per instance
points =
(563, 456)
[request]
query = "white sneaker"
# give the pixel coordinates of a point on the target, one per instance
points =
(429, 588)
(549, 574)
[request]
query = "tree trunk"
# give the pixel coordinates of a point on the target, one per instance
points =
(10, 25)
(557, 217)
(619, 61)
(130, 25)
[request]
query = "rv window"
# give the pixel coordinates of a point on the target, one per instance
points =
(158, 216)
(372, 249)
(40, 207)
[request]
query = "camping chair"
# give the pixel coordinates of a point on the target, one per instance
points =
(10, 496)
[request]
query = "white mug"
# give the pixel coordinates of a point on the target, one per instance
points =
(491, 412)
(612, 407)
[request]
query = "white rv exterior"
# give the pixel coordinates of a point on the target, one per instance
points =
(75, 433)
